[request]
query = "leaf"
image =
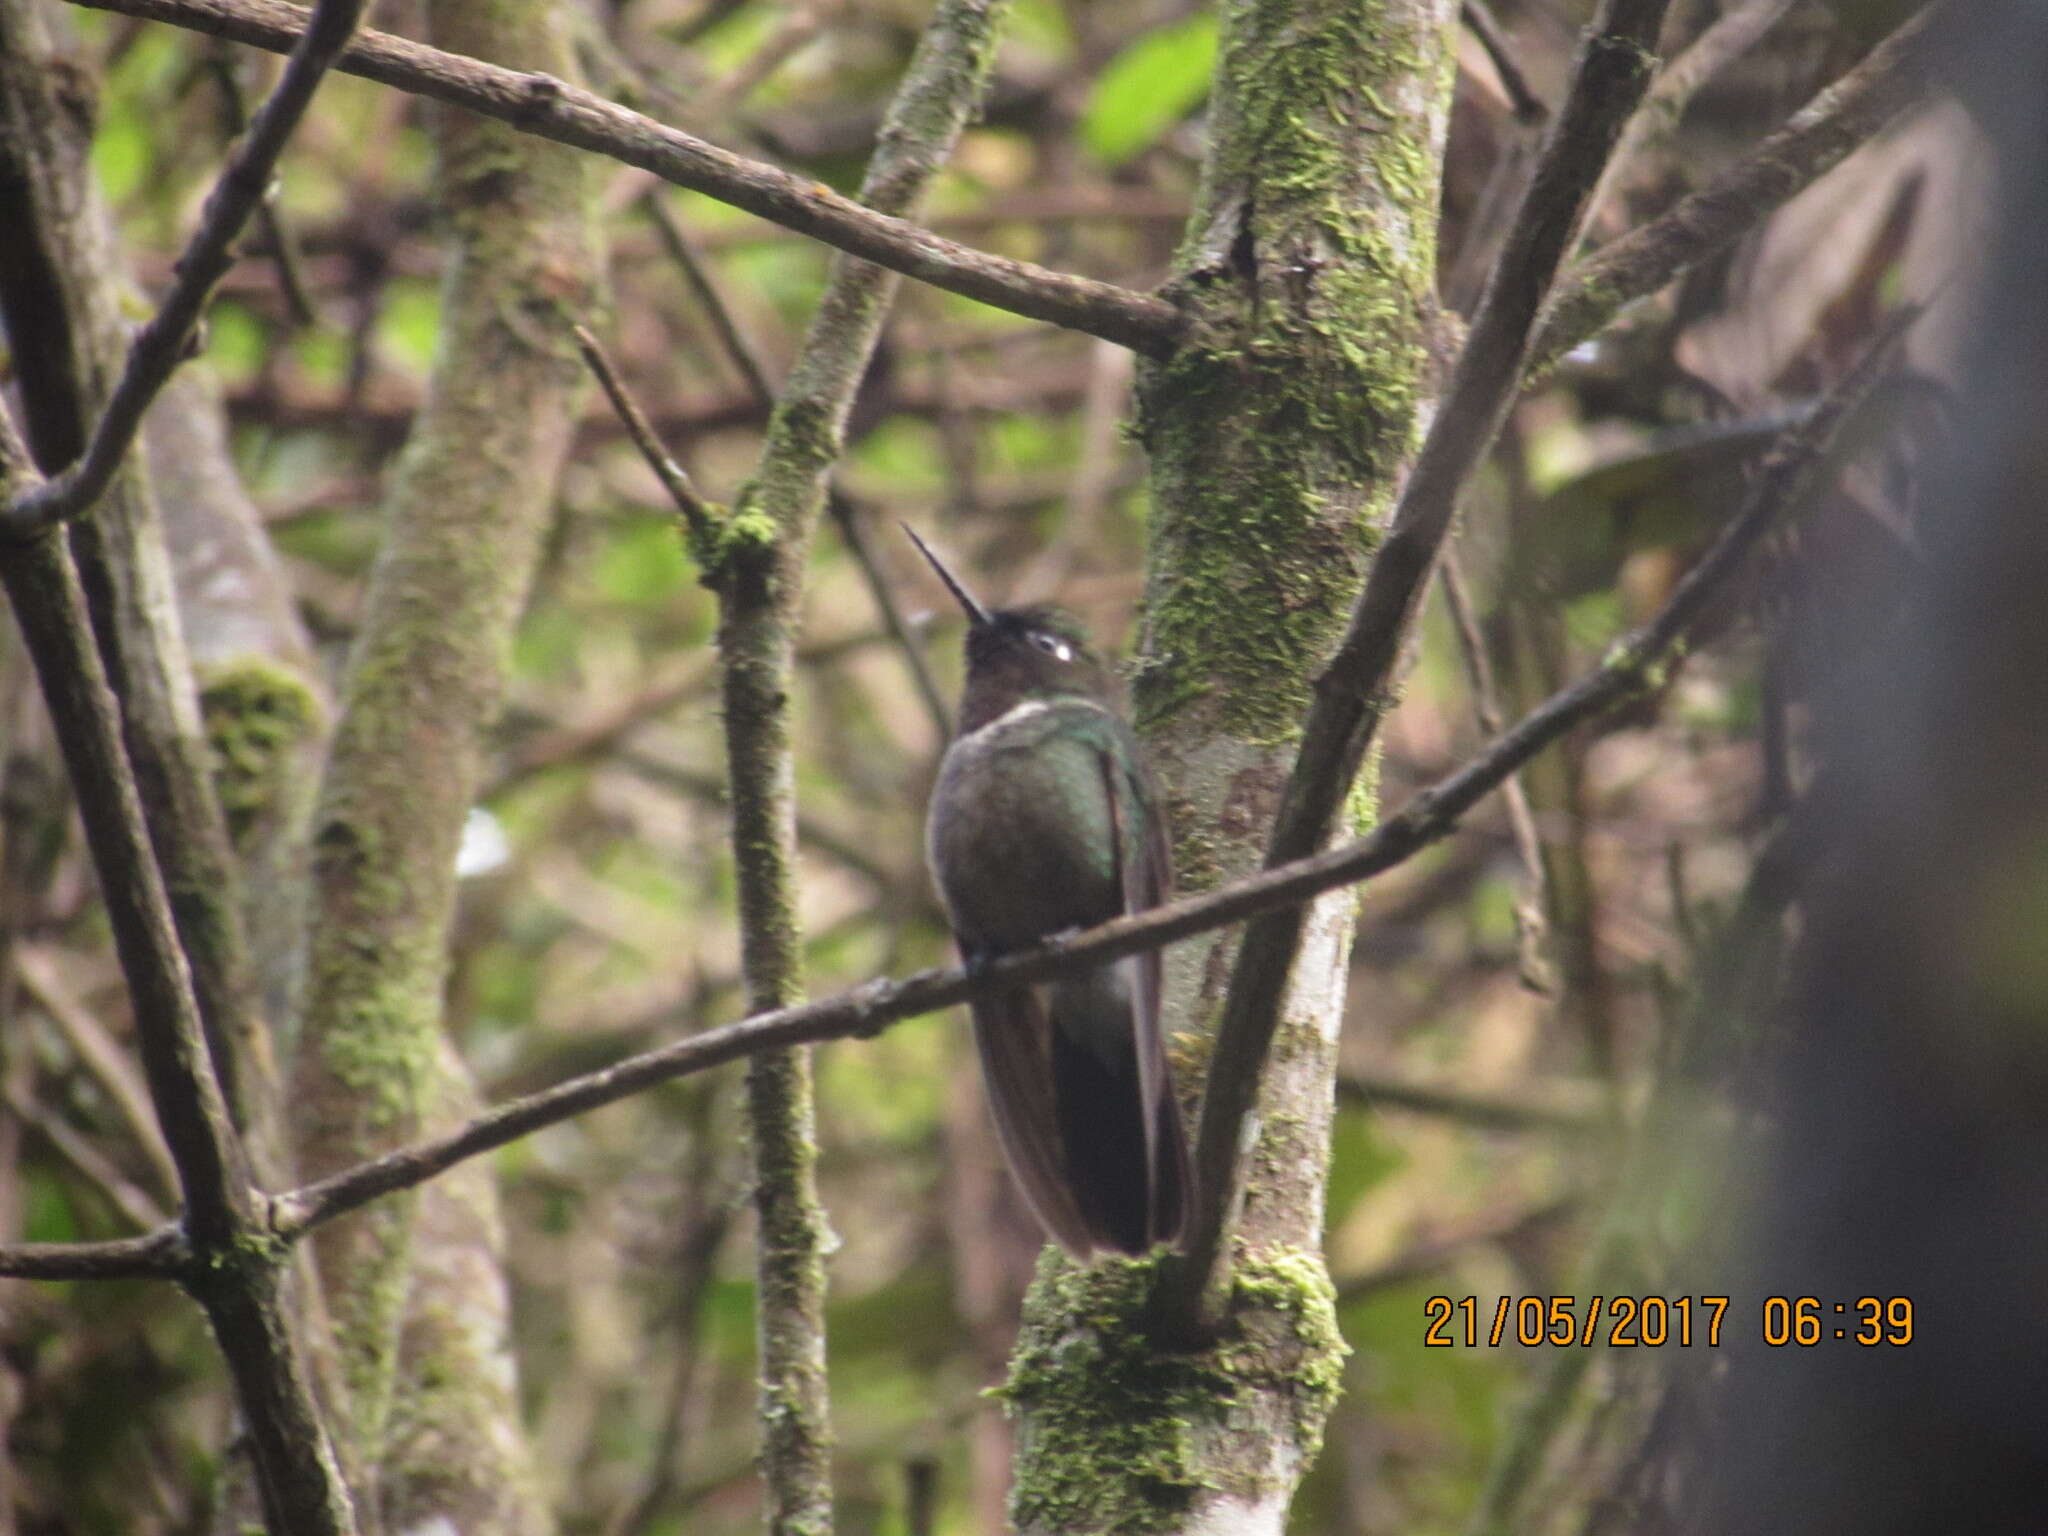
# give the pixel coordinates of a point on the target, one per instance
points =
(1148, 88)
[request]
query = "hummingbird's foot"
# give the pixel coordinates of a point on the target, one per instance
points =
(975, 960)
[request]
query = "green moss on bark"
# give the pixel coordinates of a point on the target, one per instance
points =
(1279, 431)
(257, 715)
(1123, 1431)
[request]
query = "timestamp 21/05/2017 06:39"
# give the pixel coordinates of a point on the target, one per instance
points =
(1624, 1322)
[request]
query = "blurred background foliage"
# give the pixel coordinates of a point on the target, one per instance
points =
(1507, 1029)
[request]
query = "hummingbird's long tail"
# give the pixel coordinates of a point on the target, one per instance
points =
(1126, 1205)
(1071, 1122)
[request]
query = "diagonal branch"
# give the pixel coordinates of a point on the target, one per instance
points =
(49, 605)
(1818, 137)
(1484, 26)
(161, 344)
(1351, 693)
(543, 105)
(161, 1254)
(1656, 122)
(236, 1277)
(62, 295)
(699, 516)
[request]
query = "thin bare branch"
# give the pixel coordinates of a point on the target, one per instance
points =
(850, 518)
(1530, 907)
(1352, 691)
(49, 606)
(1733, 34)
(284, 250)
(1482, 1111)
(155, 1255)
(1500, 52)
(542, 105)
(1891, 78)
(163, 343)
(701, 517)
(99, 1055)
(739, 347)
(86, 1159)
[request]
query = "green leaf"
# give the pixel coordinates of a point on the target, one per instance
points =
(1148, 88)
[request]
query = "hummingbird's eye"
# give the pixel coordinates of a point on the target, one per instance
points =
(1052, 645)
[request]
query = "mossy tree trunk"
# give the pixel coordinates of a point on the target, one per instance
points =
(421, 1373)
(1278, 433)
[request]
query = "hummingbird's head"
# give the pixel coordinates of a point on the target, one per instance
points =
(1015, 655)
(1028, 653)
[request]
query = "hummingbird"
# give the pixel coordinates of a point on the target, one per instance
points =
(1044, 820)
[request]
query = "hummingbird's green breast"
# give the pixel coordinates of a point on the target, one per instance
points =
(1020, 831)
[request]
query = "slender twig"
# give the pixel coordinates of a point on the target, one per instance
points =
(162, 343)
(543, 105)
(724, 96)
(1818, 137)
(91, 1164)
(99, 1055)
(739, 347)
(1351, 693)
(1733, 34)
(1484, 1111)
(284, 251)
(1500, 52)
(701, 517)
(1530, 907)
(49, 606)
(555, 744)
(710, 789)
(850, 519)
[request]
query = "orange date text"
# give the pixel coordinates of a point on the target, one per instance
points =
(1619, 1322)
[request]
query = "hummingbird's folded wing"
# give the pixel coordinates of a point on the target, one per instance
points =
(1144, 859)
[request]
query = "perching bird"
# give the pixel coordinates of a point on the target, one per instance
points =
(1043, 821)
